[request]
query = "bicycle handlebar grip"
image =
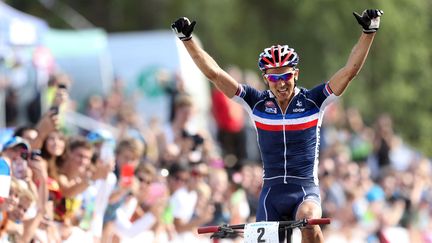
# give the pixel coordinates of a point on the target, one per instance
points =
(208, 229)
(318, 221)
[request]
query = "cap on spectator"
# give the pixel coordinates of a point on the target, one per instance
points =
(99, 135)
(376, 193)
(16, 141)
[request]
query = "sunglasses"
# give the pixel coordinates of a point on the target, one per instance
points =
(195, 173)
(278, 77)
(23, 153)
(180, 179)
(143, 179)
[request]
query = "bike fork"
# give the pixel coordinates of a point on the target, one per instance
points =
(287, 236)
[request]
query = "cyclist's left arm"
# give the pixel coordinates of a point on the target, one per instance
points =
(340, 80)
(369, 20)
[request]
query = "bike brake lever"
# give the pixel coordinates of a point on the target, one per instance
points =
(224, 232)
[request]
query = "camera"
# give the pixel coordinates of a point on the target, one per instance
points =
(196, 138)
(55, 110)
(34, 153)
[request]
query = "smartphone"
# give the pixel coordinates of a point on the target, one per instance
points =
(55, 110)
(34, 153)
(127, 174)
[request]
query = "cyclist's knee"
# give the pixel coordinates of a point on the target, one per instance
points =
(308, 210)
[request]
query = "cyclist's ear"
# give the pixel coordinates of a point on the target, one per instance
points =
(265, 80)
(296, 75)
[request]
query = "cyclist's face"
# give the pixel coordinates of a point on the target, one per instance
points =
(281, 81)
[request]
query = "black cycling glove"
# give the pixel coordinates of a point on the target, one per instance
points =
(183, 28)
(369, 20)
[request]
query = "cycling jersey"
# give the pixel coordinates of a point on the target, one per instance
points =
(288, 140)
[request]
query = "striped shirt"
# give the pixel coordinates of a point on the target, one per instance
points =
(289, 140)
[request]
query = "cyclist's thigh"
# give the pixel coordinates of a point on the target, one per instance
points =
(278, 202)
(310, 205)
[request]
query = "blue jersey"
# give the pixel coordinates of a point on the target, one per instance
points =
(288, 140)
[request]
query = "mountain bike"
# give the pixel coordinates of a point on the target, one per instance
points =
(260, 232)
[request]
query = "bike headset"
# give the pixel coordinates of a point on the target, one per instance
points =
(278, 56)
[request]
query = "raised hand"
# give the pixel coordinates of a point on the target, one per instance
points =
(183, 28)
(369, 20)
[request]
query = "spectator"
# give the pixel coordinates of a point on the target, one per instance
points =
(183, 204)
(178, 142)
(29, 133)
(140, 216)
(15, 150)
(229, 117)
(127, 155)
(75, 175)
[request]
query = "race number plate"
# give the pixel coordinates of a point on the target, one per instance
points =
(262, 232)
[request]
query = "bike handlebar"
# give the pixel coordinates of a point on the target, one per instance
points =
(282, 224)
(318, 221)
(208, 229)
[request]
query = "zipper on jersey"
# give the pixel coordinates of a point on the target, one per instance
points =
(284, 136)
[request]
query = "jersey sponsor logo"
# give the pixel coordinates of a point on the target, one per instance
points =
(270, 104)
(270, 107)
(271, 110)
(299, 104)
(298, 109)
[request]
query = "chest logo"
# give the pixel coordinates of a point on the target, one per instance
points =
(299, 107)
(270, 107)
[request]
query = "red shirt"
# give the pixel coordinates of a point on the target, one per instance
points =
(228, 114)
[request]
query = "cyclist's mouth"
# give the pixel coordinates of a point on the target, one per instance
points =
(282, 91)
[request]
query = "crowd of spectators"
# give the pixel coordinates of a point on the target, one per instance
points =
(155, 181)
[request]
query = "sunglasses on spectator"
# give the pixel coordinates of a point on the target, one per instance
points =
(278, 77)
(23, 153)
(181, 179)
(143, 179)
(196, 173)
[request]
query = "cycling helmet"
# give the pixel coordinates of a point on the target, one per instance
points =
(277, 56)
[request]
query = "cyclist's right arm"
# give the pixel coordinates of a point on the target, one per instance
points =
(208, 66)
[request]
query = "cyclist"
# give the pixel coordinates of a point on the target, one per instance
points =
(287, 119)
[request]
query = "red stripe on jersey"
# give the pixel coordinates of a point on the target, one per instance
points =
(239, 89)
(328, 89)
(294, 127)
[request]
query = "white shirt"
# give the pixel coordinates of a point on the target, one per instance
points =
(183, 203)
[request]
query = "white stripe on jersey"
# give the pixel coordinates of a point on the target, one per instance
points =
(294, 121)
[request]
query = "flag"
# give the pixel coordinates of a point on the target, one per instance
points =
(5, 178)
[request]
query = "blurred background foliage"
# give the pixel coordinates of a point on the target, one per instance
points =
(396, 78)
